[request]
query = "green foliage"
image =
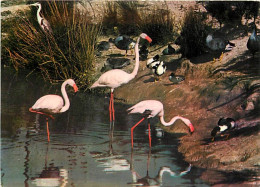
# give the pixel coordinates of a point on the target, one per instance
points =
(193, 34)
(66, 53)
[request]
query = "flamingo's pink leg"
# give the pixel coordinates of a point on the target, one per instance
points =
(48, 132)
(110, 107)
(113, 109)
(132, 131)
(149, 133)
(38, 112)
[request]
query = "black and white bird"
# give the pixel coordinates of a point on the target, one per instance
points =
(175, 79)
(224, 125)
(151, 62)
(253, 43)
(159, 69)
(44, 24)
(169, 50)
(124, 43)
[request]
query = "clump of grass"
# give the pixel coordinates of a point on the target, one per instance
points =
(66, 53)
(129, 17)
(159, 25)
(110, 17)
(193, 35)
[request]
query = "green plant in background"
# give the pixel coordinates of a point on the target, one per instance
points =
(67, 53)
(193, 35)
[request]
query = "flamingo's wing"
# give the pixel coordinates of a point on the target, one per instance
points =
(113, 79)
(154, 107)
(49, 104)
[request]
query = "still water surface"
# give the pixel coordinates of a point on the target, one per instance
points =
(81, 152)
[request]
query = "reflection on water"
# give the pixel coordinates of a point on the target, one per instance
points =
(83, 151)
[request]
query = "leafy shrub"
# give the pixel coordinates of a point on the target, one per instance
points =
(67, 53)
(193, 34)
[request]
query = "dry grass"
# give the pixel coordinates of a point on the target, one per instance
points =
(68, 52)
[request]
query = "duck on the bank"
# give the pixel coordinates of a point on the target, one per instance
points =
(159, 69)
(124, 43)
(253, 43)
(168, 50)
(224, 125)
(115, 63)
(218, 43)
(103, 46)
(176, 78)
(151, 62)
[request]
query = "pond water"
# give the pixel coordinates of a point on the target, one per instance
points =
(81, 151)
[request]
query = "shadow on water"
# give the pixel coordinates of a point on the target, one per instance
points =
(82, 151)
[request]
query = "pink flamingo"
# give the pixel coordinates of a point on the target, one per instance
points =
(151, 108)
(116, 77)
(53, 104)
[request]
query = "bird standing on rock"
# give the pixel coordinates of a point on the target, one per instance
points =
(224, 125)
(253, 43)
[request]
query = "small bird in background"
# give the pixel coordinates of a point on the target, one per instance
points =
(124, 43)
(253, 43)
(159, 70)
(224, 126)
(175, 79)
(168, 50)
(152, 61)
(44, 24)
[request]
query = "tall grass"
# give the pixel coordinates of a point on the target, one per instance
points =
(193, 34)
(66, 53)
(132, 18)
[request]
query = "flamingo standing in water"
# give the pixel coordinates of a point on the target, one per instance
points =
(150, 109)
(53, 104)
(116, 77)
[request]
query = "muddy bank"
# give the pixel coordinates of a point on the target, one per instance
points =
(211, 90)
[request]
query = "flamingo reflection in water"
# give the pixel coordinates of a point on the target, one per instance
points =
(51, 175)
(110, 161)
(156, 181)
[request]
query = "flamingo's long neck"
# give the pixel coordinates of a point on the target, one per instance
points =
(134, 73)
(65, 97)
(186, 121)
(162, 170)
(38, 13)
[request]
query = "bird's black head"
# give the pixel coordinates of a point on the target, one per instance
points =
(156, 57)
(214, 131)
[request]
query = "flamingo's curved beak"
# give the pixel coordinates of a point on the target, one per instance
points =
(75, 88)
(148, 39)
(191, 128)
